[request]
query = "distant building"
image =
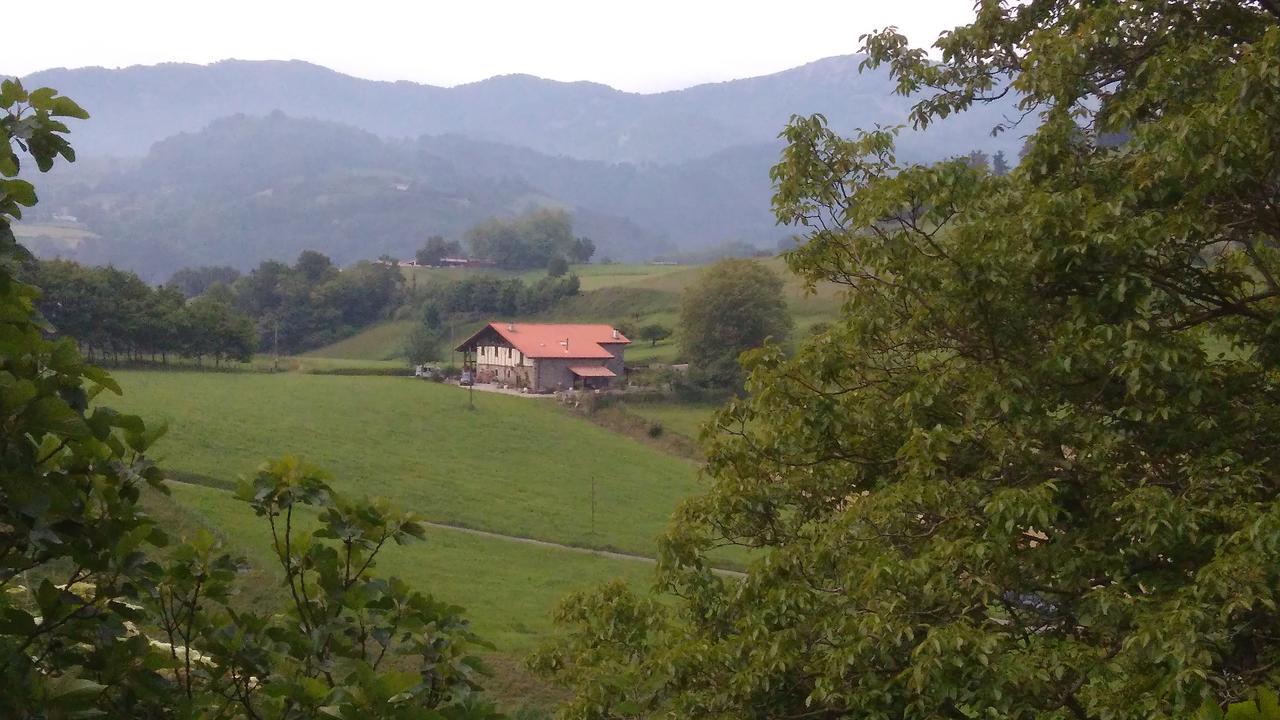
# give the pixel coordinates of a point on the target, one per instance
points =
(464, 262)
(545, 357)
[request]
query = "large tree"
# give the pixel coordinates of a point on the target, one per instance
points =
(735, 306)
(1033, 470)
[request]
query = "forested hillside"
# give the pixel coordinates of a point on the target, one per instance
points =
(247, 189)
(239, 162)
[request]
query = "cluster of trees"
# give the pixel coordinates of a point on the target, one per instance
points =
(537, 239)
(479, 296)
(997, 163)
(194, 281)
(114, 315)
(435, 249)
(495, 295)
(214, 312)
(1031, 470)
(306, 305)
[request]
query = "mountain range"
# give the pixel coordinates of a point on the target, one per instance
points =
(240, 161)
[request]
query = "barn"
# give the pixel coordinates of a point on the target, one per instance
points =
(545, 357)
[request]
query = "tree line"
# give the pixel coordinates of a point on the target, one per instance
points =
(441, 302)
(312, 302)
(115, 316)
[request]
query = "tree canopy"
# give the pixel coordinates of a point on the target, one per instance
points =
(735, 306)
(435, 249)
(531, 240)
(1031, 471)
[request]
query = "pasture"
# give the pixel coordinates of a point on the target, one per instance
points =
(512, 465)
(685, 419)
(508, 588)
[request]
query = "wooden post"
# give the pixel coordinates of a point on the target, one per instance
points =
(593, 506)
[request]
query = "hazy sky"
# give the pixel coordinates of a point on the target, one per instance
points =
(637, 46)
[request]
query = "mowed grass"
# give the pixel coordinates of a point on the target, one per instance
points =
(683, 418)
(513, 465)
(383, 341)
(507, 588)
(594, 277)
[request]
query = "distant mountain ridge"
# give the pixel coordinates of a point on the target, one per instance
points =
(137, 106)
(247, 188)
(240, 161)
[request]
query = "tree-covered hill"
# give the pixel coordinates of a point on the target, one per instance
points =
(246, 189)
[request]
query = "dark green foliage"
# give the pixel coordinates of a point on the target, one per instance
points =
(736, 306)
(437, 248)
(193, 281)
(492, 295)
(557, 266)
(1032, 471)
(423, 346)
(312, 303)
(654, 333)
(1263, 706)
(532, 240)
(113, 315)
(978, 160)
(999, 165)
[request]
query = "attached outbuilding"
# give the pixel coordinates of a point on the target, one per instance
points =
(545, 357)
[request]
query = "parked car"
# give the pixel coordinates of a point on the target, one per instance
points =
(467, 378)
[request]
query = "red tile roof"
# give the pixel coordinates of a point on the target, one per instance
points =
(547, 340)
(592, 371)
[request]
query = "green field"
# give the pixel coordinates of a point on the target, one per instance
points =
(508, 588)
(684, 418)
(384, 341)
(517, 466)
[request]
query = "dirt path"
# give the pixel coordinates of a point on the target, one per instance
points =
(571, 548)
(194, 479)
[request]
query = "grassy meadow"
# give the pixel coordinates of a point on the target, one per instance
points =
(513, 465)
(508, 588)
(685, 419)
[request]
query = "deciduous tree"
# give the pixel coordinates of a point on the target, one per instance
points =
(735, 306)
(1032, 470)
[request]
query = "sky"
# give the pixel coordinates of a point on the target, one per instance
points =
(636, 46)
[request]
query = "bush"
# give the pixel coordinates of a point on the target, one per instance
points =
(655, 430)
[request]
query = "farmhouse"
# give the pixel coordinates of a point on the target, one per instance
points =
(545, 357)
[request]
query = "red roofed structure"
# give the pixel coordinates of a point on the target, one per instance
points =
(545, 357)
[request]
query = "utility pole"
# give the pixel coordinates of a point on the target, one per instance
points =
(275, 362)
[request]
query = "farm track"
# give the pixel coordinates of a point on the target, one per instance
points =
(196, 479)
(613, 554)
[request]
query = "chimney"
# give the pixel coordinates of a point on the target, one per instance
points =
(615, 333)
(565, 343)
(511, 327)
